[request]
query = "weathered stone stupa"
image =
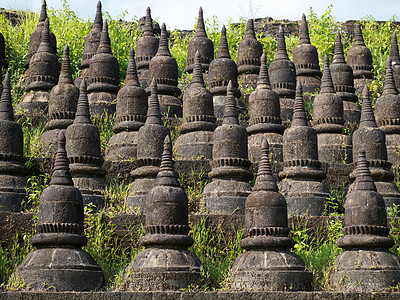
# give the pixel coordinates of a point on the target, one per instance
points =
(41, 76)
(268, 264)
(150, 139)
(92, 42)
(195, 139)
(201, 43)
(282, 75)
(36, 36)
(103, 77)
(264, 117)
(12, 167)
(394, 56)
(146, 49)
(359, 59)
(387, 114)
(166, 263)
(164, 69)
(222, 70)
(305, 59)
(333, 146)
(369, 138)
(84, 153)
(343, 80)
(62, 106)
(131, 114)
(59, 263)
(230, 174)
(249, 54)
(367, 264)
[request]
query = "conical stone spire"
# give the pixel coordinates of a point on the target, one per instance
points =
(62, 106)
(338, 57)
(195, 139)
(227, 192)
(44, 45)
(6, 109)
(148, 24)
(150, 138)
(394, 56)
(327, 83)
(282, 75)
(223, 50)
(387, 114)
(59, 234)
(201, 43)
(371, 139)
(305, 59)
(302, 175)
(264, 117)
(98, 20)
(130, 116)
(366, 265)
(266, 240)
(84, 153)
(165, 264)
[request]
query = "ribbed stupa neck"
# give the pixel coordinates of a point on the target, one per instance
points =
(367, 115)
(265, 181)
(223, 51)
(263, 78)
(299, 112)
(304, 35)
(61, 174)
(358, 39)
(281, 46)
(363, 174)
(163, 49)
(153, 111)
(327, 86)
(338, 57)
(105, 43)
(66, 73)
(167, 175)
(197, 78)
(131, 78)
(250, 33)
(200, 28)
(43, 12)
(45, 38)
(394, 49)
(98, 20)
(6, 109)
(230, 112)
(82, 115)
(389, 87)
(148, 24)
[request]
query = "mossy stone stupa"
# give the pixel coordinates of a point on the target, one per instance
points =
(372, 140)
(305, 59)
(150, 138)
(367, 264)
(41, 76)
(302, 175)
(36, 36)
(12, 168)
(282, 75)
(268, 264)
(264, 117)
(92, 42)
(249, 57)
(227, 192)
(387, 114)
(59, 263)
(166, 263)
(146, 49)
(200, 42)
(395, 57)
(62, 106)
(130, 116)
(343, 81)
(195, 139)
(84, 154)
(103, 77)
(333, 145)
(222, 70)
(164, 69)
(359, 59)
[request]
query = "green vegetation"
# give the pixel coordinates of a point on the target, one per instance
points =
(317, 247)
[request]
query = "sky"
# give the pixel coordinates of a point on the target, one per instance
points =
(178, 14)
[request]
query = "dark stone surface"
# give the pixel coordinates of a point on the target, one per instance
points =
(394, 56)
